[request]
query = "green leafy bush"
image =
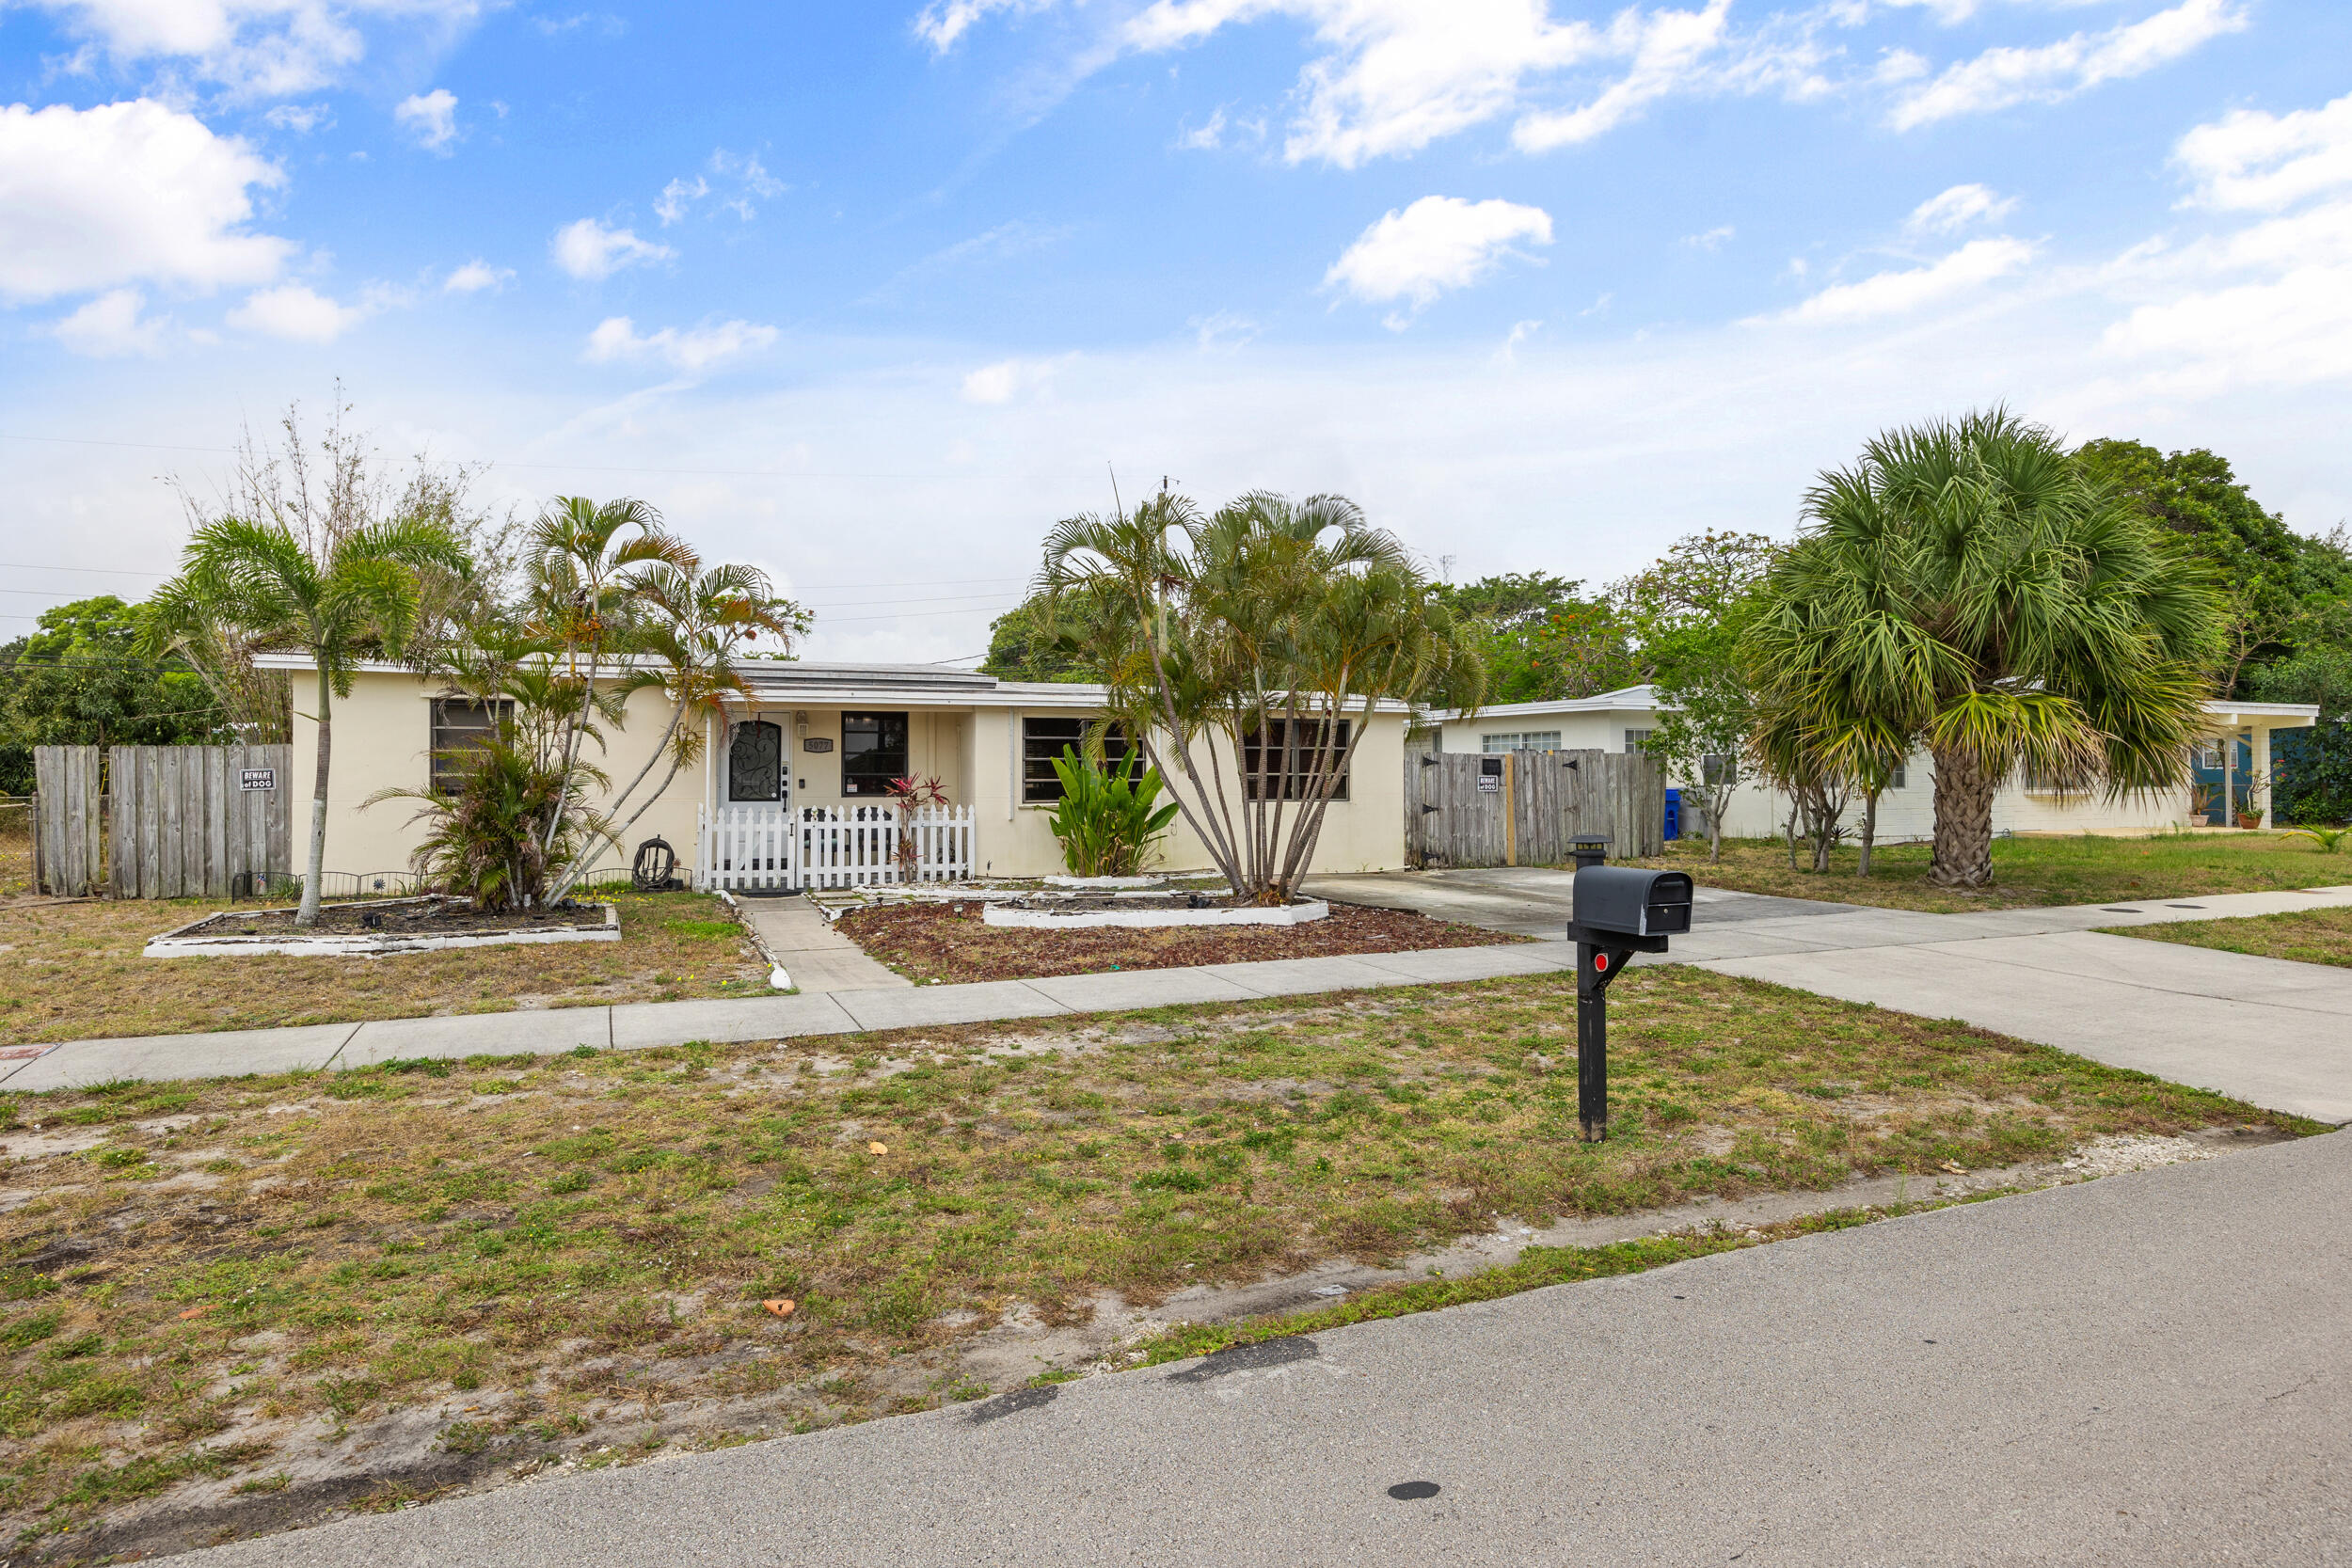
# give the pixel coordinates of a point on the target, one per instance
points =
(1108, 816)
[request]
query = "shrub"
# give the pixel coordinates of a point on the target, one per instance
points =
(1108, 816)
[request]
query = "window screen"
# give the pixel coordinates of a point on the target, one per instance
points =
(1278, 743)
(873, 752)
(460, 725)
(1042, 739)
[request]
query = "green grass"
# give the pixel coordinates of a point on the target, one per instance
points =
(569, 1242)
(2026, 872)
(2316, 936)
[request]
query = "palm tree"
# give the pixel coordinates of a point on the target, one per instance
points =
(356, 595)
(1271, 624)
(699, 621)
(1969, 587)
(582, 593)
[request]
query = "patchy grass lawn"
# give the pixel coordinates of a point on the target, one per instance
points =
(2026, 872)
(232, 1305)
(2307, 936)
(73, 971)
(949, 941)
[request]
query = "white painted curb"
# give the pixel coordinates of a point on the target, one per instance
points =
(173, 945)
(1043, 920)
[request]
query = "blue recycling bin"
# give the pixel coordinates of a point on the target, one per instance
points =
(1673, 814)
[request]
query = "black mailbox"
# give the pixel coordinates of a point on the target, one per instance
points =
(1623, 901)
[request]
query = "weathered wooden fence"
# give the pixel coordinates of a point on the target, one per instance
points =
(1526, 808)
(198, 821)
(69, 823)
(170, 821)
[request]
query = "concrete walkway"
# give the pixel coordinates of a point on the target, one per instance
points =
(1529, 900)
(799, 939)
(2149, 1369)
(2265, 1030)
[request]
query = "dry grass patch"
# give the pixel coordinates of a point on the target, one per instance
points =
(73, 971)
(443, 1270)
(2321, 936)
(950, 942)
(2027, 872)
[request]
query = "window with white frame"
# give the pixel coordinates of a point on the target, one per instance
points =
(1717, 769)
(1042, 738)
(2208, 755)
(461, 726)
(1520, 741)
(1634, 740)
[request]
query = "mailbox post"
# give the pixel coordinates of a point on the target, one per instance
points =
(1614, 913)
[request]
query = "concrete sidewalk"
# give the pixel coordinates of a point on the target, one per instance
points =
(2148, 1368)
(2275, 1033)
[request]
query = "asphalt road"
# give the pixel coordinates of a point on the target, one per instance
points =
(2149, 1368)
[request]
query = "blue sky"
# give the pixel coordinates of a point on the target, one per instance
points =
(870, 294)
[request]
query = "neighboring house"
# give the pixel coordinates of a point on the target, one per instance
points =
(2221, 767)
(813, 745)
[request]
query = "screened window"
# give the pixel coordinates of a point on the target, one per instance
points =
(873, 752)
(1718, 768)
(459, 726)
(1042, 739)
(1633, 739)
(1521, 740)
(755, 761)
(1298, 779)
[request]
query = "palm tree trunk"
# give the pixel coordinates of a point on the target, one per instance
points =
(1869, 828)
(308, 913)
(1964, 822)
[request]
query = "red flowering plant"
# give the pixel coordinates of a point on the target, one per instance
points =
(910, 794)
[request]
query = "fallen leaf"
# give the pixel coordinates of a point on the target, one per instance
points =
(196, 1312)
(877, 1148)
(780, 1306)
(1954, 1168)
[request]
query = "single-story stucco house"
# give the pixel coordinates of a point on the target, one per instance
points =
(2221, 767)
(788, 789)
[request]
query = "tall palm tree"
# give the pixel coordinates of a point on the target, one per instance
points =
(582, 592)
(353, 594)
(1270, 624)
(1969, 587)
(699, 622)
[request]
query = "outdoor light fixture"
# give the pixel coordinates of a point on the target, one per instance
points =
(1615, 912)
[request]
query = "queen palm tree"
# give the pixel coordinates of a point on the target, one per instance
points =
(350, 596)
(1969, 587)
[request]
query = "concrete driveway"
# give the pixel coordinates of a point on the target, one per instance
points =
(1527, 900)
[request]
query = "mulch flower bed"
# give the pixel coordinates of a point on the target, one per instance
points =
(442, 917)
(947, 941)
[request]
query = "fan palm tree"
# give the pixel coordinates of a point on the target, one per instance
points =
(356, 595)
(1969, 587)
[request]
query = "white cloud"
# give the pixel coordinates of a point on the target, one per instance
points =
(1222, 329)
(1521, 332)
(258, 48)
(1666, 49)
(125, 193)
(110, 326)
(1951, 210)
(943, 22)
(2003, 76)
(992, 385)
(431, 118)
(474, 277)
(1437, 244)
(695, 349)
(1207, 136)
(588, 250)
(1890, 294)
(1714, 238)
(300, 119)
(677, 197)
(296, 312)
(2248, 160)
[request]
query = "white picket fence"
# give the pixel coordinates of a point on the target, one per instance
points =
(761, 845)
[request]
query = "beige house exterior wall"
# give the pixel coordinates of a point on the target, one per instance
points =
(382, 738)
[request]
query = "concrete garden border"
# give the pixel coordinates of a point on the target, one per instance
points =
(1142, 918)
(178, 943)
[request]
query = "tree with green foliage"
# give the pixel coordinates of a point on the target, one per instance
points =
(2276, 580)
(1969, 585)
(80, 679)
(341, 599)
(1020, 648)
(1541, 636)
(1685, 613)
